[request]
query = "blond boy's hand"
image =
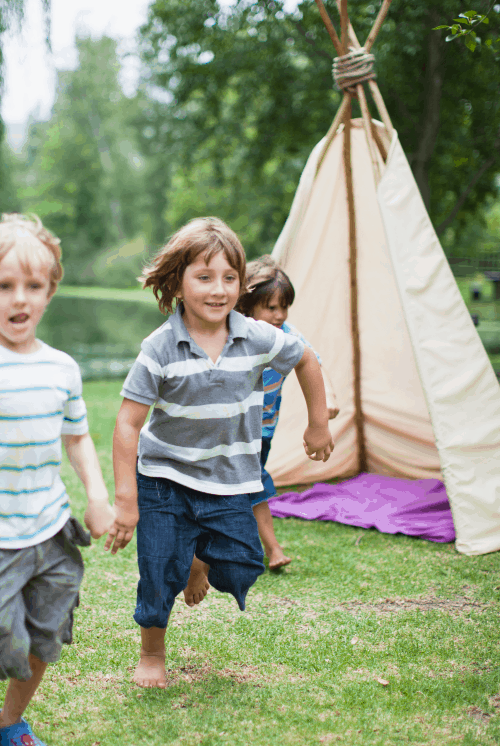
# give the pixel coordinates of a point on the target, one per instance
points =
(99, 517)
(318, 443)
(122, 530)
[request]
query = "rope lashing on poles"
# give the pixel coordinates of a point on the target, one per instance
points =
(352, 68)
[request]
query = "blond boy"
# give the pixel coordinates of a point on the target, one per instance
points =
(40, 404)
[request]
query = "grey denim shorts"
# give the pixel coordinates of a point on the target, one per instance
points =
(38, 594)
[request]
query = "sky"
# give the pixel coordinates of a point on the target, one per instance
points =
(30, 68)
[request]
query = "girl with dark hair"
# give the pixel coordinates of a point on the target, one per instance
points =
(267, 297)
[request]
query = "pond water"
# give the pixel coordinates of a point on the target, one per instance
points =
(103, 336)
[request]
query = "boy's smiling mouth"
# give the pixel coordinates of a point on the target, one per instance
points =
(19, 318)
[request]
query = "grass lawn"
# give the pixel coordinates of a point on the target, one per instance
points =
(365, 639)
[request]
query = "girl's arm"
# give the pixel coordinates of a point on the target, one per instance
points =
(131, 418)
(318, 441)
(83, 458)
(331, 399)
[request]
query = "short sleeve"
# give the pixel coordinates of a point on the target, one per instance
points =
(143, 381)
(290, 329)
(287, 351)
(75, 411)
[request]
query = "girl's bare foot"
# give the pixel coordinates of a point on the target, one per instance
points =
(198, 585)
(278, 559)
(150, 671)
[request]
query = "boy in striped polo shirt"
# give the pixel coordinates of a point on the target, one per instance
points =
(199, 454)
(40, 402)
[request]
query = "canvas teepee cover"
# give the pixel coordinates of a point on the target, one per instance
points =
(376, 297)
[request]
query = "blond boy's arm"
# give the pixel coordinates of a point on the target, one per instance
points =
(82, 455)
(318, 441)
(131, 418)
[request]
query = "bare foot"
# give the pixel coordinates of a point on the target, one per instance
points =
(278, 559)
(150, 671)
(198, 585)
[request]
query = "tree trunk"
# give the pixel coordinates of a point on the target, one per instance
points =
(431, 112)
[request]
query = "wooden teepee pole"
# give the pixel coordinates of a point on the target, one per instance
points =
(372, 84)
(377, 25)
(367, 124)
(353, 274)
(339, 118)
(353, 260)
(329, 26)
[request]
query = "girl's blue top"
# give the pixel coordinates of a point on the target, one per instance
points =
(273, 383)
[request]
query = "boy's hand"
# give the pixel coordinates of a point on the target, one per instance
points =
(99, 517)
(318, 443)
(122, 529)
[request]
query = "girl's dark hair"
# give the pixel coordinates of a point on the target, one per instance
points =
(166, 271)
(263, 279)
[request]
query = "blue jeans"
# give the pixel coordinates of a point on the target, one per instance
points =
(267, 480)
(176, 522)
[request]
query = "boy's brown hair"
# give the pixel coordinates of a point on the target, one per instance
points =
(263, 279)
(166, 271)
(16, 231)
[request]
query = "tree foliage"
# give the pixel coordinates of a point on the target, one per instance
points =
(250, 92)
(12, 13)
(465, 27)
(84, 174)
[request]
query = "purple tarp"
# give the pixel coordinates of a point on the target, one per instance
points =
(413, 507)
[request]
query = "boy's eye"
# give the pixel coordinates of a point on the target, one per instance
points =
(230, 278)
(4, 285)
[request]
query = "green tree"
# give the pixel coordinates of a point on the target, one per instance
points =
(12, 14)
(84, 172)
(251, 93)
(466, 27)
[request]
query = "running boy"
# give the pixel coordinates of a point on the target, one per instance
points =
(268, 295)
(199, 455)
(40, 402)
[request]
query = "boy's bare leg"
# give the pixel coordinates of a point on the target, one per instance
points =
(19, 693)
(198, 585)
(150, 671)
(272, 549)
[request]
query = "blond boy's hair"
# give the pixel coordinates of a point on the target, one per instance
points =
(166, 271)
(16, 231)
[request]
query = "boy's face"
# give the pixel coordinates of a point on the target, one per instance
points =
(23, 299)
(209, 292)
(274, 313)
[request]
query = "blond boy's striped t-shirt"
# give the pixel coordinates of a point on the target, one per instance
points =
(40, 398)
(205, 430)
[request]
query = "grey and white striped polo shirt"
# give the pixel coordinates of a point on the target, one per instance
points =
(206, 426)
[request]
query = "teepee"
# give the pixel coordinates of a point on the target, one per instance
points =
(376, 297)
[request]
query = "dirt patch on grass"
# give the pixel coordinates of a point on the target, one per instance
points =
(458, 606)
(203, 670)
(478, 714)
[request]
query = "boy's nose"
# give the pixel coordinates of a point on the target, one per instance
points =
(19, 295)
(218, 287)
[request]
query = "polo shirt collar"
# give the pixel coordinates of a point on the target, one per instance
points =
(178, 327)
(238, 326)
